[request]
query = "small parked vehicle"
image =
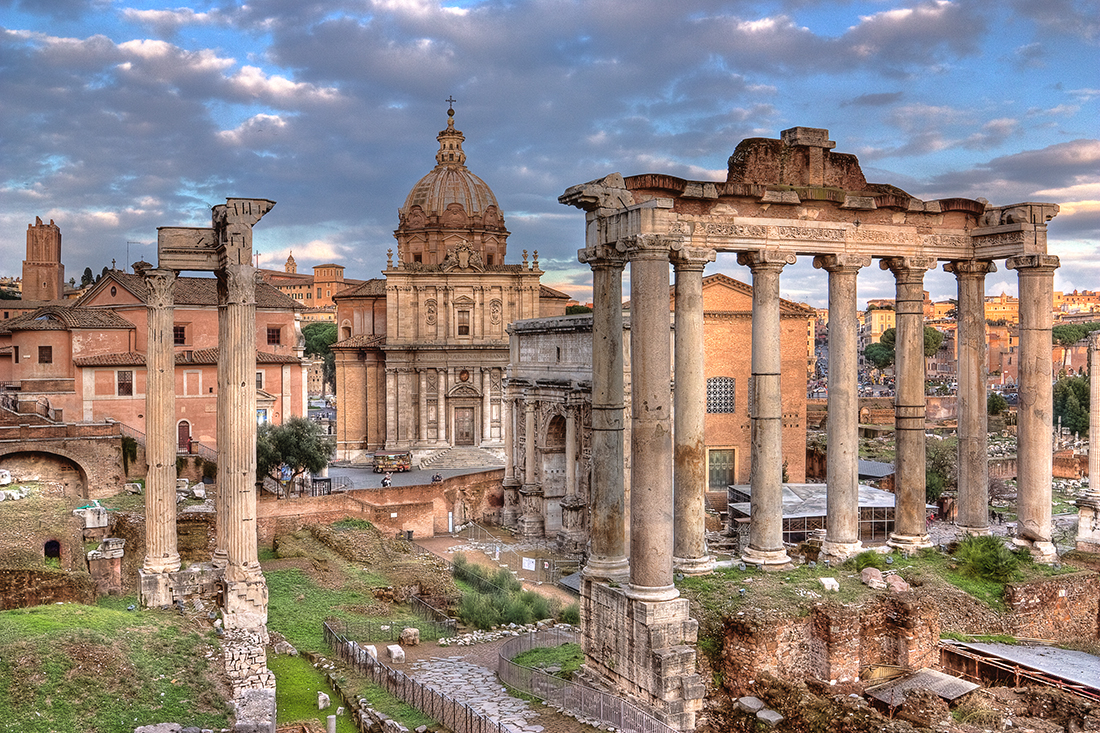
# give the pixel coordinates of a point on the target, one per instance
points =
(386, 461)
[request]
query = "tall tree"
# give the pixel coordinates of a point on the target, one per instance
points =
(319, 337)
(87, 278)
(1071, 404)
(297, 444)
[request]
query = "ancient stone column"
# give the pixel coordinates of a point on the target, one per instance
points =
(1034, 413)
(246, 592)
(511, 485)
(607, 560)
(571, 538)
(842, 424)
(910, 522)
(689, 553)
(161, 554)
(973, 467)
(486, 404)
(531, 522)
(441, 416)
(423, 411)
(391, 407)
(651, 492)
(766, 419)
(1088, 507)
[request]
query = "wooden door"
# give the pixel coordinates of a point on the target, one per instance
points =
(464, 426)
(184, 436)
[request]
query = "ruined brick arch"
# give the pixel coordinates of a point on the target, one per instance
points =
(55, 465)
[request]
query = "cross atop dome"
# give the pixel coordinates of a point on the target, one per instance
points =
(450, 141)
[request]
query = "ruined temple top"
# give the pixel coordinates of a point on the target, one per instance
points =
(803, 156)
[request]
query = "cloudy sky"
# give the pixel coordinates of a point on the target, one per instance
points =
(117, 117)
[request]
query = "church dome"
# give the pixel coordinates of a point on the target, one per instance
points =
(450, 209)
(450, 182)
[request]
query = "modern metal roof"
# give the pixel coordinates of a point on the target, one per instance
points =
(1072, 666)
(946, 686)
(808, 500)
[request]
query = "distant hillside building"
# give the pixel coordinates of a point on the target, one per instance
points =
(421, 354)
(43, 273)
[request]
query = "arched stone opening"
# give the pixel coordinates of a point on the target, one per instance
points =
(51, 552)
(59, 474)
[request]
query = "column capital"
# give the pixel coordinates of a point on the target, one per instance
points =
(684, 257)
(650, 246)
(161, 285)
(1033, 262)
(603, 256)
(962, 268)
(766, 259)
(1094, 340)
(907, 266)
(841, 262)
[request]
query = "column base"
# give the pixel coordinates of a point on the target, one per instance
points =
(909, 542)
(1041, 551)
(165, 564)
(1088, 524)
(614, 569)
(838, 552)
(766, 559)
(508, 517)
(531, 526)
(976, 531)
(693, 565)
(651, 594)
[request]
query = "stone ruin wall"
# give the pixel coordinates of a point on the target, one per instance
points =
(22, 587)
(1062, 608)
(832, 643)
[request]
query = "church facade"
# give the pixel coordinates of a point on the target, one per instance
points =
(422, 352)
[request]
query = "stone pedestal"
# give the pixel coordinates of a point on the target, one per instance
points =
(645, 649)
(1088, 524)
(509, 512)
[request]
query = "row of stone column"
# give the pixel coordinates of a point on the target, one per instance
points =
(666, 519)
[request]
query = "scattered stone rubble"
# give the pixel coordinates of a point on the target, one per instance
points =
(499, 632)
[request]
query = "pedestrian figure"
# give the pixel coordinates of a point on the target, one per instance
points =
(387, 480)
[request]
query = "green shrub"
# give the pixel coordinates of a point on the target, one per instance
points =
(571, 614)
(986, 557)
(868, 559)
(516, 611)
(504, 579)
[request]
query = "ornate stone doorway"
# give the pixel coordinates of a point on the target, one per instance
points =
(464, 426)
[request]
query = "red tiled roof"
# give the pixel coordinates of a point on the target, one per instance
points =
(202, 291)
(374, 286)
(361, 341)
(63, 318)
(205, 357)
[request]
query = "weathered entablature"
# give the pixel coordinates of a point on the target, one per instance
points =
(783, 199)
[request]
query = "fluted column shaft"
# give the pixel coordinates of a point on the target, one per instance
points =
(973, 467)
(1035, 419)
(529, 452)
(511, 496)
(689, 554)
(161, 553)
(570, 454)
(607, 559)
(842, 423)
(423, 412)
(766, 420)
(651, 492)
(486, 404)
(441, 410)
(391, 407)
(910, 522)
(237, 392)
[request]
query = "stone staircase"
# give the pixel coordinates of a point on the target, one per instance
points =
(462, 457)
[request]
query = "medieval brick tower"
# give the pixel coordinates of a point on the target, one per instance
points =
(43, 273)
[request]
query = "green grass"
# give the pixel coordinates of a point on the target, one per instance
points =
(297, 606)
(568, 657)
(297, 683)
(97, 669)
(386, 703)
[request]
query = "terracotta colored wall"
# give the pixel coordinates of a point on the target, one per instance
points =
(20, 588)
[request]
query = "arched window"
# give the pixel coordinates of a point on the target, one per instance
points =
(720, 395)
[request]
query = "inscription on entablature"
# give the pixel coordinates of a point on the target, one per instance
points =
(944, 240)
(1003, 238)
(884, 236)
(793, 232)
(736, 230)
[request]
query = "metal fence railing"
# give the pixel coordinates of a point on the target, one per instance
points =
(384, 631)
(579, 700)
(431, 614)
(445, 710)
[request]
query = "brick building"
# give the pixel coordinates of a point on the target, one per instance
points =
(86, 359)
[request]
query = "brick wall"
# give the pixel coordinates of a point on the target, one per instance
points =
(1063, 608)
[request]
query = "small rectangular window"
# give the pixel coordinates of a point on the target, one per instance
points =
(125, 383)
(45, 355)
(15, 355)
(274, 335)
(318, 292)
(464, 323)
(179, 335)
(259, 380)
